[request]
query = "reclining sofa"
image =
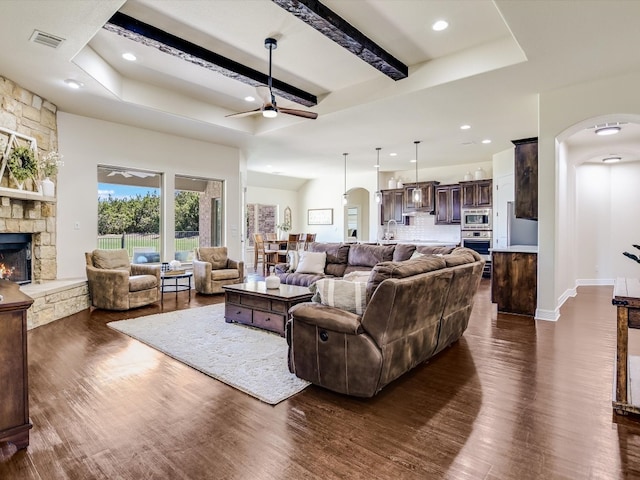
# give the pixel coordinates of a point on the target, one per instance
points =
(414, 309)
(343, 259)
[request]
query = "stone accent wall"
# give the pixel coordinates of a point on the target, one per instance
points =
(214, 190)
(27, 113)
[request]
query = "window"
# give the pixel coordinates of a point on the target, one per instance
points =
(129, 212)
(198, 215)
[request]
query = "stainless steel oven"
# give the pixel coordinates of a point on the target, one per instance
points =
(476, 219)
(479, 240)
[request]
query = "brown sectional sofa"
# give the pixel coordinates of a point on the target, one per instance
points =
(415, 308)
(345, 258)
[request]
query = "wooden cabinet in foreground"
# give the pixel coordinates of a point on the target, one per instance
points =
(477, 193)
(14, 388)
(447, 208)
(514, 280)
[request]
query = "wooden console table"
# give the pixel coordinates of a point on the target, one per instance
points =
(14, 393)
(626, 382)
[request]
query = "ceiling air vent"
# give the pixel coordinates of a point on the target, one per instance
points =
(46, 39)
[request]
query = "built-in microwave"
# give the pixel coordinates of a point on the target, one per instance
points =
(476, 219)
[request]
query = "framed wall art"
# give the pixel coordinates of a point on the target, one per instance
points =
(320, 216)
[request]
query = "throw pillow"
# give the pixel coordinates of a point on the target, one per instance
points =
(216, 256)
(416, 255)
(111, 259)
(357, 276)
(342, 294)
(292, 259)
(312, 262)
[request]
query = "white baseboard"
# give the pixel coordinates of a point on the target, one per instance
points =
(594, 281)
(547, 315)
(568, 293)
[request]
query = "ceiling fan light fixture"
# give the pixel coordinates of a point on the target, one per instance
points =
(269, 112)
(608, 130)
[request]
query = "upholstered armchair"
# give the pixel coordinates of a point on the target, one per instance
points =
(212, 269)
(117, 284)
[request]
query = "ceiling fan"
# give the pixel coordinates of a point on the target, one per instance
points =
(130, 173)
(269, 108)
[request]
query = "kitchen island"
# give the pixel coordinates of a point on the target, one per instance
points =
(514, 279)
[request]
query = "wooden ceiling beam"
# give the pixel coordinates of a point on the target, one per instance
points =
(151, 36)
(331, 25)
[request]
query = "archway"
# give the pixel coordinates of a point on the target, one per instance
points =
(356, 216)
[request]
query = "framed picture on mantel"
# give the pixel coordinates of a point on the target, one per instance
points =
(320, 216)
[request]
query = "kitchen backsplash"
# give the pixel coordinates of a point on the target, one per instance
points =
(423, 228)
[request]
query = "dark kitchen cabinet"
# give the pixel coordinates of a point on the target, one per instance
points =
(14, 393)
(448, 201)
(526, 178)
(427, 203)
(391, 206)
(477, 193)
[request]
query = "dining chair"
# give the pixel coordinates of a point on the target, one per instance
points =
(263, 255)
(309, 238)
(293, 245)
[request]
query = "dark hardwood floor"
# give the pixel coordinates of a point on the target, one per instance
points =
(514, 399)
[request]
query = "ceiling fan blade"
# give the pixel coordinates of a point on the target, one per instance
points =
(298, 113)
(245, 114)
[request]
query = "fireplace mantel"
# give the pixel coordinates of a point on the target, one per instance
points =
(25, 195)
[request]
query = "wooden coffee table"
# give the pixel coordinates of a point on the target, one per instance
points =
(253, 304)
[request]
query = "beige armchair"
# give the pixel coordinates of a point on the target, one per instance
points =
(212, 269)
(117, 284)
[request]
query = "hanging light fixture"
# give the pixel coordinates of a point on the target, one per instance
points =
(417, 192)
(378, 194)
(345, 197)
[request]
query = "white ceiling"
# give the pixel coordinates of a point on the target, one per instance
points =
(485, 70)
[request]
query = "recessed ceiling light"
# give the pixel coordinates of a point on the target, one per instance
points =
(393, 154)
(75, 84)
(129, 57)
(612, 159)
(376, 166)
(608, 130)
(486, 140)
(249, 98)
(440, 25)
(413, 160)
(465, 127)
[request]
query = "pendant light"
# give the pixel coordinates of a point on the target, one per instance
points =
(417, 192)
(345, 196)
(378, 194)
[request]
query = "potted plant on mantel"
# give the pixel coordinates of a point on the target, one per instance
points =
(22, 165)
(48, 167)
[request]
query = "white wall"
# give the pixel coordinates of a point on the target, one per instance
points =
(562, 113)
(503, 192)
(86, 143)
(607, 197)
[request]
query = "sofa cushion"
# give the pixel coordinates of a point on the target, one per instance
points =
(337, 256)
(369, 255)
(216, 256)
(293, 258)
(312, 262)
(137, 283)
(300, 279)
(431, 250)
(408, 268)
(224, 274)
(460, 256)
(403, 251)
(342, 294)
(111, 259)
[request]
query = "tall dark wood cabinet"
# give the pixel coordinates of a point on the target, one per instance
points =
(14, 391)
(526, 178)
(447, 205)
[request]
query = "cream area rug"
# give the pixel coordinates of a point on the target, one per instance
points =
(251, 360)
